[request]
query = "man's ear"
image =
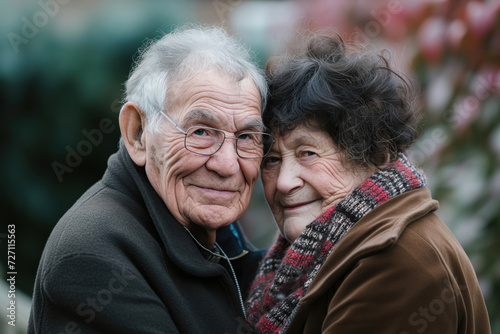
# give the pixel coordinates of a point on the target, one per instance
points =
(132, 121)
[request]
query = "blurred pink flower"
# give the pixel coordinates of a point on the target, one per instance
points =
(487, 82)
(325, 13)
(481, 16)
(431, 37)
(455, 33)
(465, 111)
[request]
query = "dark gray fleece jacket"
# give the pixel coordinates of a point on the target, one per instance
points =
(118, 262)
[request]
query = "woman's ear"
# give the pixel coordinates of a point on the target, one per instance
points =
(132, 121)
(387, 161)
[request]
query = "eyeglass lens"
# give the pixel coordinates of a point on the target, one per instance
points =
(207, 141)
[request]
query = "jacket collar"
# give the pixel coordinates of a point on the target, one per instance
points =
(377, 230)
(123, 174)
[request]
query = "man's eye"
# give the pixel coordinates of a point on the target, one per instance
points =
(201, 132)
(245, 136)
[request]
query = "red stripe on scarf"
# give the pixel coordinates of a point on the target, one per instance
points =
(374, 190)
(296, 258)
(409, 175)
(327, 215)
(325, 248)
(266, 278)
(267, 326)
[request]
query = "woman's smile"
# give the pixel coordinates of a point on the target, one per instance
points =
(297, 205)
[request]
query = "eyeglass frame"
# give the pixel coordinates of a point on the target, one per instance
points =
(221, 143)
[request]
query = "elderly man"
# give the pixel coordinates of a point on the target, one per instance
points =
(152, 248)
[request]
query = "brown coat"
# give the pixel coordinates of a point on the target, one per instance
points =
(398, 270)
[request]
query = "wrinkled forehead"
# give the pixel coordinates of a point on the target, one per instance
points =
(213, 84)
(251, 121)
(216, 101)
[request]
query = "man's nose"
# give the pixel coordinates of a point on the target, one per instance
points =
(225, 161)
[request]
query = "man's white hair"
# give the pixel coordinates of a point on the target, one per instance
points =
(181, 54)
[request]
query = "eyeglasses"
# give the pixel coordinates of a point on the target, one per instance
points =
(207, 141)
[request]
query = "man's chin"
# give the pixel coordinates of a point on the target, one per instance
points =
(213, 217)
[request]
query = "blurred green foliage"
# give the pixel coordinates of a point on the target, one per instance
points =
(66, 80)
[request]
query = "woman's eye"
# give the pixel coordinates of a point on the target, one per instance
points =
(308, 153)
(270, 162)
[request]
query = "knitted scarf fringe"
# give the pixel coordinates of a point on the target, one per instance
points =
(288, 269)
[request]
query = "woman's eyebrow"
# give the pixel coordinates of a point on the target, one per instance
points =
(302, 140)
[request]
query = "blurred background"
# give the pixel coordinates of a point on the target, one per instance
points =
(63, 64)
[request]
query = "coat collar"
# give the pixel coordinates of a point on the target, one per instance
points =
(123, 174)
(377, 230)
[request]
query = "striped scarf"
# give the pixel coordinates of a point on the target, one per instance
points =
(288, 269)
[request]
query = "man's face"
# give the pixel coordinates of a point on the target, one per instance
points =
(205, 191)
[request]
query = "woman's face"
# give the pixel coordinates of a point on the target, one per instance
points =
(303, 176)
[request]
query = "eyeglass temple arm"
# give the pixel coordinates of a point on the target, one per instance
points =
(178, 128)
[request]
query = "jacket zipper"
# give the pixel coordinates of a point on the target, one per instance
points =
(230, 266)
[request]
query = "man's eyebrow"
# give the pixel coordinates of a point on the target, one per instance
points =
(199, 115)
(207, 117)
(255, 124)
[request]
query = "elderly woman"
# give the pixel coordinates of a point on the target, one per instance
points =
(361, 249)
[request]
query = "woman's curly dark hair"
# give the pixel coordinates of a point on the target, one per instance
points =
(366, 107)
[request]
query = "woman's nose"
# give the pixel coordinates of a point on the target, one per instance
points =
(289, 178)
